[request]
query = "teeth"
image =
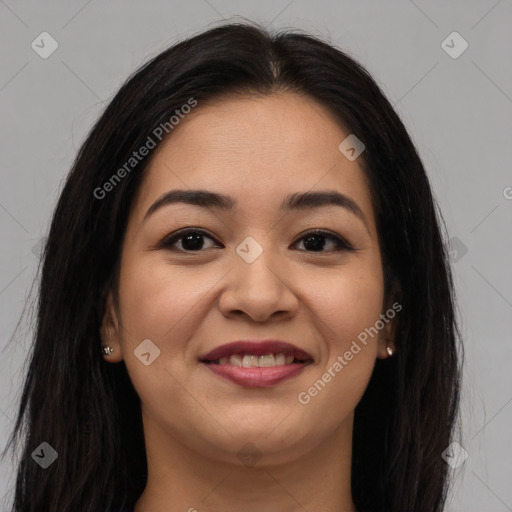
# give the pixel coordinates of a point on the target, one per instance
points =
(250, 361)
(253, 361)
(267, 360)
(280, 359)
(235, 360)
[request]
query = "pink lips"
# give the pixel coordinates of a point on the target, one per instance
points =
(260, 376)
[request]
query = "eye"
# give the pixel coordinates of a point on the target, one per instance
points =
(314, 241)
(191, 240)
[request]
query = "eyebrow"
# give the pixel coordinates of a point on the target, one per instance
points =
(296, 201)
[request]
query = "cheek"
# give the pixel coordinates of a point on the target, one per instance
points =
(350, 303)
(344, 317)
(157, 301)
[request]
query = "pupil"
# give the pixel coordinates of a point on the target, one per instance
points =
(192, 242)
(318, 246)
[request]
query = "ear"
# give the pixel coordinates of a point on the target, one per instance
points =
(110, 332)
(389, 317)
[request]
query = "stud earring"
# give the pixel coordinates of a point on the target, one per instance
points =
(390, 351)
(106, 350)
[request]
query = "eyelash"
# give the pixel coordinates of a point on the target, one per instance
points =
(341, 244)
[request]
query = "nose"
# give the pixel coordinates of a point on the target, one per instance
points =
(261, 290)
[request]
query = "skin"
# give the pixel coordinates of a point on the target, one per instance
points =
(257, 150)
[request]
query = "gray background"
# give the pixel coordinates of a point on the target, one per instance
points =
(458, 111)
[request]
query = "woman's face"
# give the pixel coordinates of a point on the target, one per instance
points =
(252, 273)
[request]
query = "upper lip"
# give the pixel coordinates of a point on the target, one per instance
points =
(257, 348)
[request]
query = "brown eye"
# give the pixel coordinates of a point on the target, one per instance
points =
(315, 242)
(191, 241)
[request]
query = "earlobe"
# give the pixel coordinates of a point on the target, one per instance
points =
(387, 340)
(386, 348)
(109, 333)
(391, 312)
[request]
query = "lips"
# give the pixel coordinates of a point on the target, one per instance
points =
(256, 363)
(256, 348)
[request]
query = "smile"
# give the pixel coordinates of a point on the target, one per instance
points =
(257, 376)
(255, 361)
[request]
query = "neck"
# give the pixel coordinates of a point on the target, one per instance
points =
(181, 479)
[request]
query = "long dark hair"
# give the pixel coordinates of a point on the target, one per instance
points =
(88, 410)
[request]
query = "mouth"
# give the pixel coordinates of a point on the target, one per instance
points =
(256, 364)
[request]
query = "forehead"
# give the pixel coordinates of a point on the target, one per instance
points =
(257, 149)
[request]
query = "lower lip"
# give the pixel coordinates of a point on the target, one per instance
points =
(256, 377)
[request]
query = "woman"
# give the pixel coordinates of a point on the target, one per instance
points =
(246, 301)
